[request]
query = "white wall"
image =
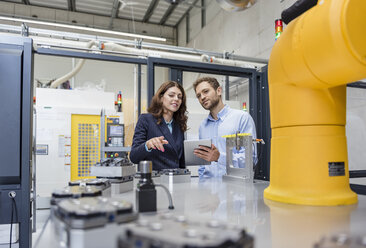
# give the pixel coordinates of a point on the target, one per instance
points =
(249, 32)
(356, 128)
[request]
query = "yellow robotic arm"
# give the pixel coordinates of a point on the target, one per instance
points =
(310, 64)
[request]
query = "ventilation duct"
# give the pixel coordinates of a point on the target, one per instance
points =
(235, 5)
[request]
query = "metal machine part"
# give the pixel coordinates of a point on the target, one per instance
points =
(175, 171)
(168, 230)
(145, 191)
(154, 174)
(175, 176)
(75, 192)
(102, 183)
(120, 162)
(93, 221)
(119, 172)
(242, 172)
(112, 169)
(104, 162)
(121, 185)
(70, 192)
(342, 241)
(114, 162)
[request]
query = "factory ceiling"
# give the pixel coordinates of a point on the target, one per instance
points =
(161, 12)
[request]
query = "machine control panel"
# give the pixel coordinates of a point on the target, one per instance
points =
(115, 136)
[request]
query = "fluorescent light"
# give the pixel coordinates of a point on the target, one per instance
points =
(83, 28)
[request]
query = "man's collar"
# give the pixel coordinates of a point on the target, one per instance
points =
(221, 115)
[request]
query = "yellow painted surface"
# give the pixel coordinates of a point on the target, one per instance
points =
(299, 166)
(234, 135)
(85, 144)
(310, 64)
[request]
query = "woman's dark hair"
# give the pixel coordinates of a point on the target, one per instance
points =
(156, 106)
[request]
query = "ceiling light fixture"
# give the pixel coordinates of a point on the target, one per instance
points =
(83, 28)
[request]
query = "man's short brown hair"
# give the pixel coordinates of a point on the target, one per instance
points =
(211, 80)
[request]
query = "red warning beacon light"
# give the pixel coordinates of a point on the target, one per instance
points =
(244, 106)
(278, 28)
(119, 101)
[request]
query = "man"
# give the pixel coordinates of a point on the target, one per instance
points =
(222, 120)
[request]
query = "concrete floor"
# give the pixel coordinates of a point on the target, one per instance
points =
(272, 224)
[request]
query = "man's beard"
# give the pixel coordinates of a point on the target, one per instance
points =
(214, 103)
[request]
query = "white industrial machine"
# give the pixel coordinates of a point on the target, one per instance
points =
(67, 136)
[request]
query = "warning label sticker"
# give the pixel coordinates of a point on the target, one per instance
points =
(336, 169)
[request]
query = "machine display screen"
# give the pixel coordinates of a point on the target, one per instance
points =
(115, 130)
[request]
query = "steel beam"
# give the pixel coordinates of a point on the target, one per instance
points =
(114, 14)
(186, 13)
(176, 75)
(203, 13)
(85, 55)
(187, 28)
(263, 127)
(150, 80)
(253, 99)
(168, 12)
(71, 5)
(227, 88)
(150, 10)
(139, 89)
(207, 68)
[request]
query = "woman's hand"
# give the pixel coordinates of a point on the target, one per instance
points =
(156, 143)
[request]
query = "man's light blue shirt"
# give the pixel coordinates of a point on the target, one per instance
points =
(229, 121)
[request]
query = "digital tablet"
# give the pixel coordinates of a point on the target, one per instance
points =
(189, 146)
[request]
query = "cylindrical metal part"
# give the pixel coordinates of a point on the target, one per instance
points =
(145, 167)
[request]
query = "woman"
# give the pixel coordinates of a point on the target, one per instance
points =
(159, 134)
